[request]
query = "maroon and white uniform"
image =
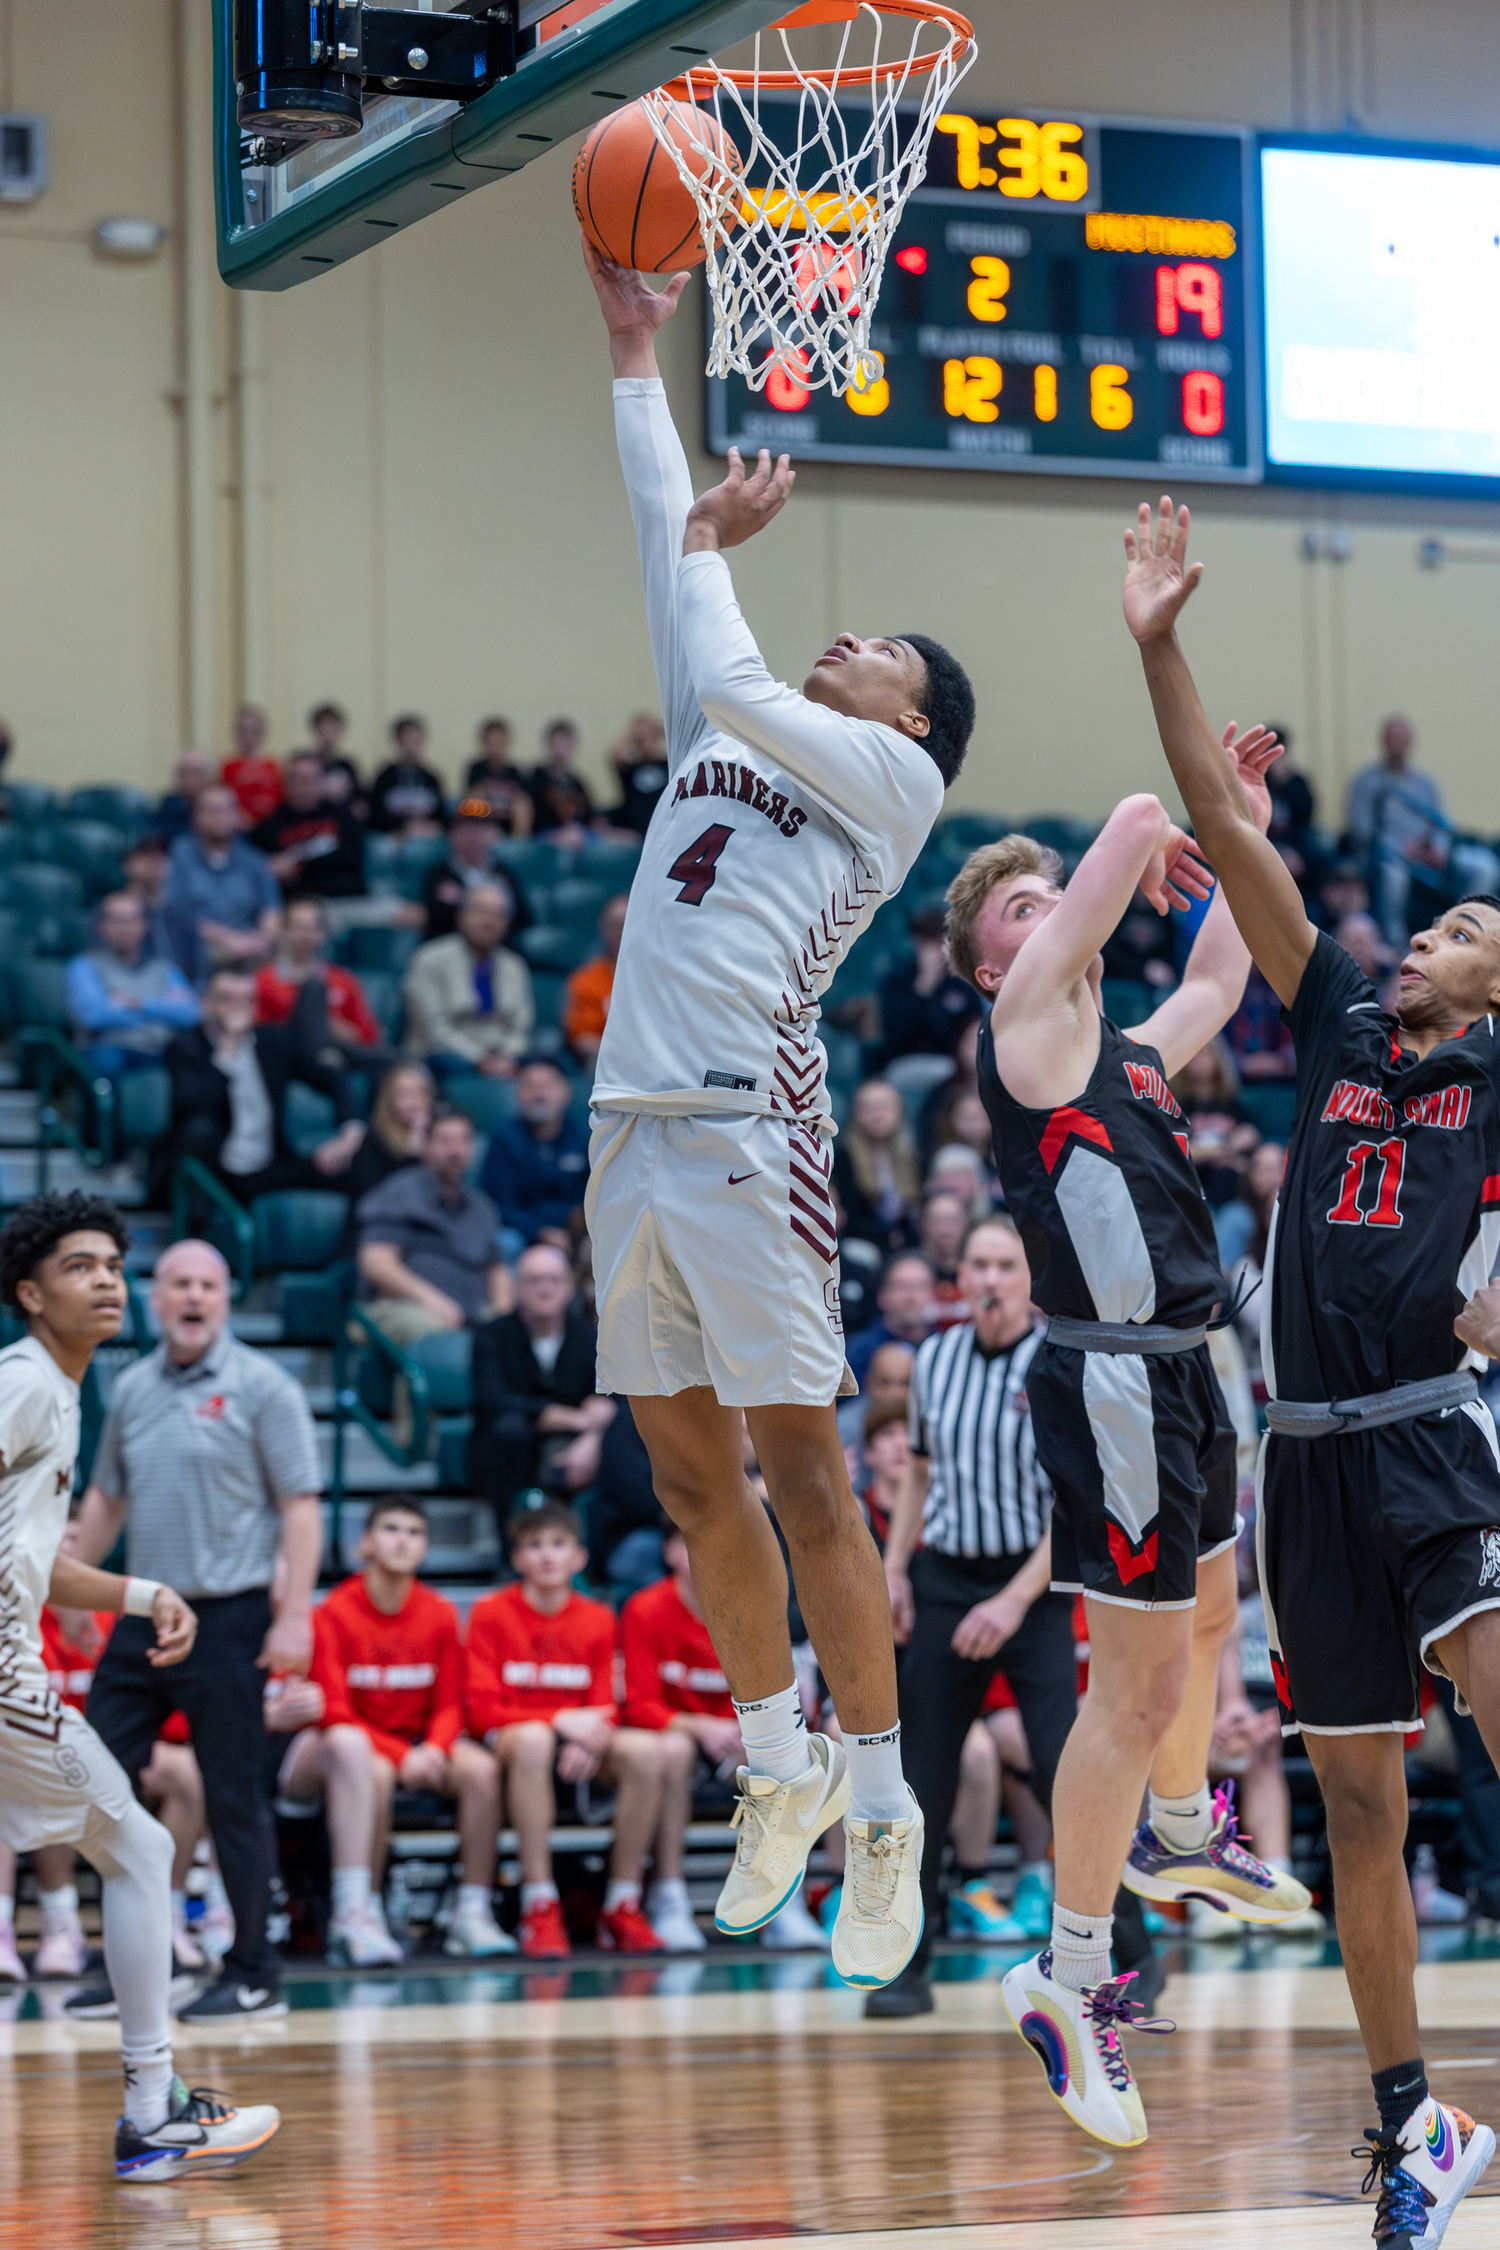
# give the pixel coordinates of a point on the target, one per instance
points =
(783, 826)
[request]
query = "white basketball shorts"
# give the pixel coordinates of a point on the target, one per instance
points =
(52, 1786)
(715, 1259)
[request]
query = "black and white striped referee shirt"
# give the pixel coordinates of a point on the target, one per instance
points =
(967, 1415)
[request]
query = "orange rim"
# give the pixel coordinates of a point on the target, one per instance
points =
(695, 85)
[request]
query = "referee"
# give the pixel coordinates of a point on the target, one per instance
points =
(980, 1504)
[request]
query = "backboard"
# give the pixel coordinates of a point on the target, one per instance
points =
(295, 215)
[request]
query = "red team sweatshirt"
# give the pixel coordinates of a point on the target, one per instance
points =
(400, 1678)
(670, 1662)
(519, 1664)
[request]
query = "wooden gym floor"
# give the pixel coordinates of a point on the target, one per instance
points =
(741, 2101)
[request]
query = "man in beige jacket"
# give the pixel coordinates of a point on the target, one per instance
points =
(469, 1003)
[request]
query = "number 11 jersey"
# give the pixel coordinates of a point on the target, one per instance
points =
(783, 826)
(1389, 1214)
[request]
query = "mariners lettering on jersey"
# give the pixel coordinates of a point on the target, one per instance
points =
(1351, 1104)
(391, 1675)
(697, 1677)
(722, 777)
(516, 1672)
(1449, 1107)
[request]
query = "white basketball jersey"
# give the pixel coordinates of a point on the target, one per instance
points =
(38, 1448)
(782, 827)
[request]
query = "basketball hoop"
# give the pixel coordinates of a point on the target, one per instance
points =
(795, 260)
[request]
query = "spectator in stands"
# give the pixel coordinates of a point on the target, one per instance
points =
(407, 799)
(887, 1380)
(469, 1005)
(1396, 816)
(399, 1123)
(1142, 949)
(314, 847)
(473, 834)
(586, 1003)
(537, 1417)
(1342, 891)
(539, 1691)
(564, 809)
(1220, 1135)
(876, 1175)
(494, 776)
(223, 906)
(125, 1002)
(1293, 811)
(327, 724)
(249, 771)
(935, 1124)
(640, 760)
(1259, 1042)
(675, 1689)
(229, 1082)
(1242, 1228)
(905, 1316)
(945, 1222)
(325, 1005)
(1360, 937)
(146, 867)
(388, 1673)
(627, 1521)
(208, 1462)
(191, 775)
(887, 1456)
(538, 1164)
(427, 1257)
(961, 1170)
(923, 1005)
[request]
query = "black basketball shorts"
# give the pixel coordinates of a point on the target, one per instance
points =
(1373, 1546)
(1141, 1453)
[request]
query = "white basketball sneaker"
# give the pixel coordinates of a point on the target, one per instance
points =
(778, 1823)
(201, 2133)
(1076, 2038)
(879, 1921)
(1424, 2171)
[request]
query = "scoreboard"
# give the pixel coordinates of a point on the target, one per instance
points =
(1064, 293)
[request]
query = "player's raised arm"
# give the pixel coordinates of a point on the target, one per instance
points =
(1262, 896)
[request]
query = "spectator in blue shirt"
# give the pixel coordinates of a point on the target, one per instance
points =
(223, 906)
(126, 1001)
(538, 1165)
(194, 772)
(905, 1301)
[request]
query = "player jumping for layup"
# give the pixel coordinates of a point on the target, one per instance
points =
(786, 820)
(1129, 1421)
(1379, 1519)
(62, 1267)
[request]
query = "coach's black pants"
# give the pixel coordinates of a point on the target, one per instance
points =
(941, 1693)
(218, 1690)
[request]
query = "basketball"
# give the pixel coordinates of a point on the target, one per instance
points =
(629, 196)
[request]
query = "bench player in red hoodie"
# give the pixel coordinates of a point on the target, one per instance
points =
(388, 1668)
(539, 1689)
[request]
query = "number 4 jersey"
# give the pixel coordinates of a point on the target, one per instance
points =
(1389, 1213)
(782, 827)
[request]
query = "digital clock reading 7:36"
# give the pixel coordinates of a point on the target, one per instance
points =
(1062, 295)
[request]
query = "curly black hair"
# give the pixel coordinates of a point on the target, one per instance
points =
(947, 704)
(34, 1229)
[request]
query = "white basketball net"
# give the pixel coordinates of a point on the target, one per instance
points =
(795, 262)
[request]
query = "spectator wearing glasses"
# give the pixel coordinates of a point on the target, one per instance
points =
(537, 1416)
(905, 1311)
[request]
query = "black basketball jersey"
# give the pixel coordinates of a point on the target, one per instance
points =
(1389, 1214)
(1104, 1192)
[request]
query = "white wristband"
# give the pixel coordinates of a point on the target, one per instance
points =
(140, 1596)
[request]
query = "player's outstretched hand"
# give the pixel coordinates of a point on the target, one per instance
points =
(732, 512)
(1157, 577)
(176, 1628)
(627, 300)
(1478, 1325)
(1252, 754)
(1178, 873)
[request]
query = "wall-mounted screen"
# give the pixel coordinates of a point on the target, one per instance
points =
(1381, 314)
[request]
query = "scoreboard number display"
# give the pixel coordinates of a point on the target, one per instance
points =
(1063, 294)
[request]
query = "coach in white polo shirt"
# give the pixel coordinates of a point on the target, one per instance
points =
(208, 1457)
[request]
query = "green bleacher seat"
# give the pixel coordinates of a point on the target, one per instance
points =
(576, 902)
(444, 1359)
(94, 850)
(382, 988)
(31, 802)
(38, 994)
(547, 945)
(965, 832)
(613, 865)
(418, 853)
(382, 862)
(532, 863)
(59, 936)
(143, 1107)
(130, 809)
(299, 1233)
(1126, 1001)
(376, 945)
(549, 990)
(36, 888)
(487, 1102)
(1270, 1104)
(308, 1117)
(15, 843)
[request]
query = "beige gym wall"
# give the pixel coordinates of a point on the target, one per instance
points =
(397, 485)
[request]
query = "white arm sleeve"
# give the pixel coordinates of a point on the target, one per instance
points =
(871, 779)
(661, 493)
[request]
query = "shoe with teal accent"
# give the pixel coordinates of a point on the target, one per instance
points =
(1223, 1872)
(1030, 1918)
(975, 1912)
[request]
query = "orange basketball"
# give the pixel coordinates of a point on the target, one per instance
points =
(629, 196)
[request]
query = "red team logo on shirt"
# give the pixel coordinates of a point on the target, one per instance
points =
(212, 1409)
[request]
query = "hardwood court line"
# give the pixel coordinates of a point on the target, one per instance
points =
(1340, 2227)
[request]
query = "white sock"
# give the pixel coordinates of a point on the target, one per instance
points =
(774, 1733)
(670, 1891)
(58, 1904)
(7, 1910)
(877, 1784)
(148, 2085)
(351, 1890)
(474, 1898)
(1080, 1948)
(1184, 1824)
(621, 1894)
(536, 1894)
